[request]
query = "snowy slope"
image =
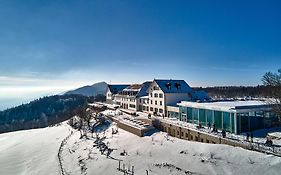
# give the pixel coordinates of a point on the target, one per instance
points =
(31, 152)
(35, 152)
(144, 153)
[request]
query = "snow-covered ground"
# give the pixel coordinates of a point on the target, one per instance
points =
(35, 152)
(32, 152)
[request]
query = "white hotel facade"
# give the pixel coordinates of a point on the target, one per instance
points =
(154, 97)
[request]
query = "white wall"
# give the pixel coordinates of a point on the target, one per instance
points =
(153, 98)
(108, 95)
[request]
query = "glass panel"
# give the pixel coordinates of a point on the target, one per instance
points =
(244, 122)
(226, 121)
(183, 113)
(232, 123)
(202, 116)
(210, 117)
(183, 117)
(189, 114)
(256, 123)
(195, 115)
(218, 119)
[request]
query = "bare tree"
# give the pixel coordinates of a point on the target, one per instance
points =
(85, 116)
(273, 82)
(81, 113)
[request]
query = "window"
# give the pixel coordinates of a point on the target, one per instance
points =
(161, 103)
(156, 110)
(155, 88)
(151, 102)
(155, 102)
(155, 95)
(151, 108)
(132, 106)
(161, 111)
(160, 95)
(150, 94)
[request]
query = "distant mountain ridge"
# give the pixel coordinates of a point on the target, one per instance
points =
(92, 90)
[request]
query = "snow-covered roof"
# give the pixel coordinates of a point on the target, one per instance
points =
(134, 87)
(275, 134)
(114, 89)
(226, 105)
(145, 97)
(137, 90)
(173, 86)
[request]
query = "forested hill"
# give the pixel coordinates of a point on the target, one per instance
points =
(236, 91)
(40, 113)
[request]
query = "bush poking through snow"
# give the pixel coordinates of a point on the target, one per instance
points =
(172, 167)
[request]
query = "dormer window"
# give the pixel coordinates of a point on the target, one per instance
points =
(168, 86)
(178, 85)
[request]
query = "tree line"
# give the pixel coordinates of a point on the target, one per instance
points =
(221, 92)
(42, 112)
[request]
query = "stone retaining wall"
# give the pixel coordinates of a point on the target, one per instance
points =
(193, 135)
(137, 131)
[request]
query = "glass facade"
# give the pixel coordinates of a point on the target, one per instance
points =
(229, 121)
(172, 114)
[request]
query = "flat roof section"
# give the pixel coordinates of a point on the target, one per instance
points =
(227, 105)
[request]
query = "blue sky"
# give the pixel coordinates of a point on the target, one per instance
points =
(57, 45)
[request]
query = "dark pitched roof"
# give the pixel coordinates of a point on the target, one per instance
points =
(174, 86)
(144, 88)
(114, 89)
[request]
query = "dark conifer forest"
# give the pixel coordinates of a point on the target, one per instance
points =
(42, 112)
